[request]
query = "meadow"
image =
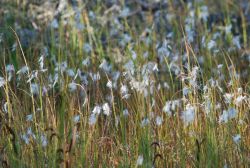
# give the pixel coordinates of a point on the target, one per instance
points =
(124, 83)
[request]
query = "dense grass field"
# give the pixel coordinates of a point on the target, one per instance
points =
(125, 83)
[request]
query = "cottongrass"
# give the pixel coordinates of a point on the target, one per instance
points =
(109, 96)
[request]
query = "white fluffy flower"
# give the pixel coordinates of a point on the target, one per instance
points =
(25, 138)
(33, 75)
(29, 117)
(54, 24)
(125, 12)
(125, 112)
(76, 118)
(139, 160)
(72, 86)
(228, 97)
(134, 55)
(34, 89)
(10, 68)
(158, 120)
(236, 42)
(109, 84)
(175, 104)
(2, 82)
(228, 28)
(130, 67)
(204, 13)
(124, 92)
(227, 115)
(106, 109)
(23, 70)
(105, 66)
(97, 110)
(124, 89)
(44, 140)
(167, 108)
(61, 67)
(185, 91)
(239, 100)
(86, 62)
(87, 47)
(211, 44)
(5, 107)
(70, 72)
(41, 62)
(237, 138)
(92, 119)
(188, 115)
(95, 77)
